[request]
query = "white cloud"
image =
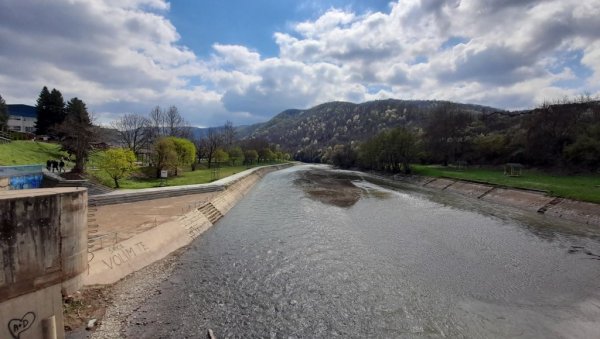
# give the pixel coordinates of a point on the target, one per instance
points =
(122, 56)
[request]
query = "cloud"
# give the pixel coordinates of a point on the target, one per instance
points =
(126, 56)
(113, 54)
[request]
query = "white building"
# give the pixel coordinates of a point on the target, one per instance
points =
(21, 118)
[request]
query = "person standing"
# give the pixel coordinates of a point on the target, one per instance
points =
(61, 166)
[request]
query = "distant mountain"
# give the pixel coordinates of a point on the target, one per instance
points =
(337, 122)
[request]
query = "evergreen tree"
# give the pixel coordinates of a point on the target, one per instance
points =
(77, 132)
(50, 110)
(43, 112)
(3, 114)
(56, 108)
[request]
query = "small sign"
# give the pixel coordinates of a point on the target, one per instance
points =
(164, 173)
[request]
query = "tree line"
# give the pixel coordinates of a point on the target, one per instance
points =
(561, 135)
(168, 143)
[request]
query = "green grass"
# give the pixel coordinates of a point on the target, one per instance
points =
(188, 177)
(27, 152)
(578, 187)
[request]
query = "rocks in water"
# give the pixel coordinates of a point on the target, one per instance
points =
(91, 324)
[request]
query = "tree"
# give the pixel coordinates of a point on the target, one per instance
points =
(3, 114)
(236, 154)
(549, 129)
(265, 154)
(176, 125)
(186, 151)
(44, 119)
(56, 108)
(76, 133)
(228, 135)
(389, 151)
(211, 143)
(165, 155)
(221, 156)
(50, 111)
(169, 123)
(134, 131)
(250, 156)
(118, 163)
(403, 148)
(343, 156)
(445, 132)
(157, 121)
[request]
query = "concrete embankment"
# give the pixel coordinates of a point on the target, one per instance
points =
(525, 199)
(110, 264)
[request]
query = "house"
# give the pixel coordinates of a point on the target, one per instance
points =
(21, 118)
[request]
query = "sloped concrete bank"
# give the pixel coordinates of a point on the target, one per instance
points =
(525, 199)
(110, 264)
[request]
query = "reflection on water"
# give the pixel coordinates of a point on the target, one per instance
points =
(318, 253)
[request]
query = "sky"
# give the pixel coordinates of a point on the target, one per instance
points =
(245, 61)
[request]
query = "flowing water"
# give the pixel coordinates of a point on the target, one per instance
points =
(316, 253)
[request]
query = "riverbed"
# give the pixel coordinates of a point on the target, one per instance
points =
(317, 253)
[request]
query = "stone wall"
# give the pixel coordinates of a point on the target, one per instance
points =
(43, 251)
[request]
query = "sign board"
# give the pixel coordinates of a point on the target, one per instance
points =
(164, 173)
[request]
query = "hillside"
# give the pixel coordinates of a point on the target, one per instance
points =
(27, 152)
(343, 122)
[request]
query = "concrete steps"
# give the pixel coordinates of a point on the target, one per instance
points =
(211, 212)
(95, 188)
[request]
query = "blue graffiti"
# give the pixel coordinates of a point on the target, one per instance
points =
(26, 181)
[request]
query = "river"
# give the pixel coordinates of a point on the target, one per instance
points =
(315, 253)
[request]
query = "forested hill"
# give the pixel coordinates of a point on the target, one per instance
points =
(337, 122)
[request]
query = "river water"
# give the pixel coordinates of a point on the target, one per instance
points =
(291, 260)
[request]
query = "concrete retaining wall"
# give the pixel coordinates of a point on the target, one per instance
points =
(43, 253)
(531, 200)
(109, 265)
(583, 212)
(527, 200)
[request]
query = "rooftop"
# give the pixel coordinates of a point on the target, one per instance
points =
(22, 110)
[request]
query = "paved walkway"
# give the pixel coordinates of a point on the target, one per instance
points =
(114, 223)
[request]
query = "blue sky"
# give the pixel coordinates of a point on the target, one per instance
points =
(246, 61)
(250, 23)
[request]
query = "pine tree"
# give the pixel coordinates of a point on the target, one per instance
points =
(57, 108)
(43, 112)
(3, 114)
(77, 132)
(50, 110)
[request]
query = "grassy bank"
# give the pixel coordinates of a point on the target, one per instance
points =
(578, 187)
(27, 152)
(188, 177)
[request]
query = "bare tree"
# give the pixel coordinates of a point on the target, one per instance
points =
(228, 134)
(173, 121)
(134, 131)
(169, 123)
(210, 144)
(157, 121)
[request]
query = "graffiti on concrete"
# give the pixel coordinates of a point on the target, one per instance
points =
(26, 182)
(22, 177)
(18, 326)
(121, 254)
